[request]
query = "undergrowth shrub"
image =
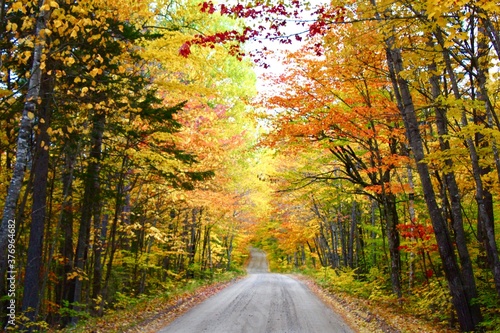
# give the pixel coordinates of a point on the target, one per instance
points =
(490, 303)
(431, 301)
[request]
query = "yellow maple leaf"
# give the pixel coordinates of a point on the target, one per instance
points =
(95, 72)
(11, 27)
(69, 61)
(18, 6)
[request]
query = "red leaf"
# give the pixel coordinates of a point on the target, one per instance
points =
(185, 49)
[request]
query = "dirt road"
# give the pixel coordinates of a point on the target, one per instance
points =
(262, 302)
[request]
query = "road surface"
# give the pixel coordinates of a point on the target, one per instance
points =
(261, 303)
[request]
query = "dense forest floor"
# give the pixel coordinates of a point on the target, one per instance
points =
(151, 314)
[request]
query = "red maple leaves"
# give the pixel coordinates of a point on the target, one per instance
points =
(219, 38)
(253, 10)
(273, 20)
(421, 237)
(185, 49)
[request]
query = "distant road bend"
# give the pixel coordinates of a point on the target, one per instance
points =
(261, 303)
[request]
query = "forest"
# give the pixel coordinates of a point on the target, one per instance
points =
(145, 145)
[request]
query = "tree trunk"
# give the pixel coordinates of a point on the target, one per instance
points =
(389, 209)
(467, 314)
(312, 251)
(99, 240)
(229, 244)
(373, 235)
(121, 209)
(32, 283)
(321, 256)
(64, 291)
(486, 219)
(490, 29)
(324, 231)
(334, 240)
(327, 248)
(467, 272)
(413, 218)
(352, 235)
(203, 259)
(90, 200)
(193, 240)
(343, 242)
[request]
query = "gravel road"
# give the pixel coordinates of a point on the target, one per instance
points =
(262, 302)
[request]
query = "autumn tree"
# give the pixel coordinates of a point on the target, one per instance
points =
(347, 108)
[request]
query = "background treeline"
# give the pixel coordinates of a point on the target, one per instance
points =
(116, 154)
(390, 115)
